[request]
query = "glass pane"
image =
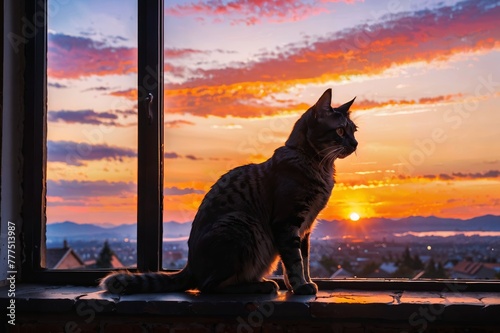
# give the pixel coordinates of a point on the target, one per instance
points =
(92, 134)
(421, 196)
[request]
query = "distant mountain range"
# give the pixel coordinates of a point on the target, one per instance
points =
(374, 228)
(83, 231)
(378, 228)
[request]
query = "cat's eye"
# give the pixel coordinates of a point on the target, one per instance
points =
(340, 131)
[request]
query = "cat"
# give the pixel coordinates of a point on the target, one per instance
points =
(257, 214)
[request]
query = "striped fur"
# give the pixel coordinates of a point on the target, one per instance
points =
(258, 214)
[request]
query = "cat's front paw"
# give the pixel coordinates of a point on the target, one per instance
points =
(269, 287)
(287, 282)
(309, 288)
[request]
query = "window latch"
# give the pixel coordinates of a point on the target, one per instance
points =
(148, 105)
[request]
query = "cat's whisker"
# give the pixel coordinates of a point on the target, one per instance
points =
(327, 149)
(330, 156)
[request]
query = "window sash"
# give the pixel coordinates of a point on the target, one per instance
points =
(150, 148)
(150, 128)
(34, 144)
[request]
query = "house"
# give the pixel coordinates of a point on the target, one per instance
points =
(317, 270)
(379, 274)
(472, 270)
(342, 274)
(67, 258)
(388, 267)
(105, 253)
(115, 263)
(172, 256)
(494, 266)
(63, 258)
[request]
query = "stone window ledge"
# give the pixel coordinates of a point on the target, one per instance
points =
(411, 310)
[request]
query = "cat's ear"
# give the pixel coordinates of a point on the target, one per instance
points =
(323, 106)
(344, 108)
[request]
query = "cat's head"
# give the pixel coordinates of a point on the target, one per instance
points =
(329, 131)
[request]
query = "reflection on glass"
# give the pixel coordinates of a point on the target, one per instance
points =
(92, 134)
(421, 197)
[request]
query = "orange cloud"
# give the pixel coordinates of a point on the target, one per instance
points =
(178, 123)
(407, 38)
(370, 104)
(170, 53)
(242, 101)
(391, 196)
(363, 50)
(388, 178)
(246, 101)
(247, 90)
(382, 193)
(130, 94)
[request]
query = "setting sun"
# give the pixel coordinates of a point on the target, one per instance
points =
(354, 216)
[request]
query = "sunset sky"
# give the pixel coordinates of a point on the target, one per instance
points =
(425, 74)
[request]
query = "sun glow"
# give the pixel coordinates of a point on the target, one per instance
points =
(354, 216)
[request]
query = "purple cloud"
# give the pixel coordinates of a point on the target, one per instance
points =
(193, 158)
(78, 189)
(72, 57)
(57, 85)
(77, 153)
(174, 155)
(171, 155)
(101, 88)
(174, 190)
(84, 117)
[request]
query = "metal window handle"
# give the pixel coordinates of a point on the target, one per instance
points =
(149, 104)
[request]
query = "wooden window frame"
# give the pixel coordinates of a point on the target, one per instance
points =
(150, 148)
(150, 167)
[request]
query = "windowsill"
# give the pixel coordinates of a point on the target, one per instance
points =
(350, 305)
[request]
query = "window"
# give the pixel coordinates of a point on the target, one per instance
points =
(149, 94)
(91, 135)
(232, 100)
(420, 199)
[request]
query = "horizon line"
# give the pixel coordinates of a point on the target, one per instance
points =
(318, 219)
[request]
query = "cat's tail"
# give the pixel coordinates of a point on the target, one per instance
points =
(123, 282)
